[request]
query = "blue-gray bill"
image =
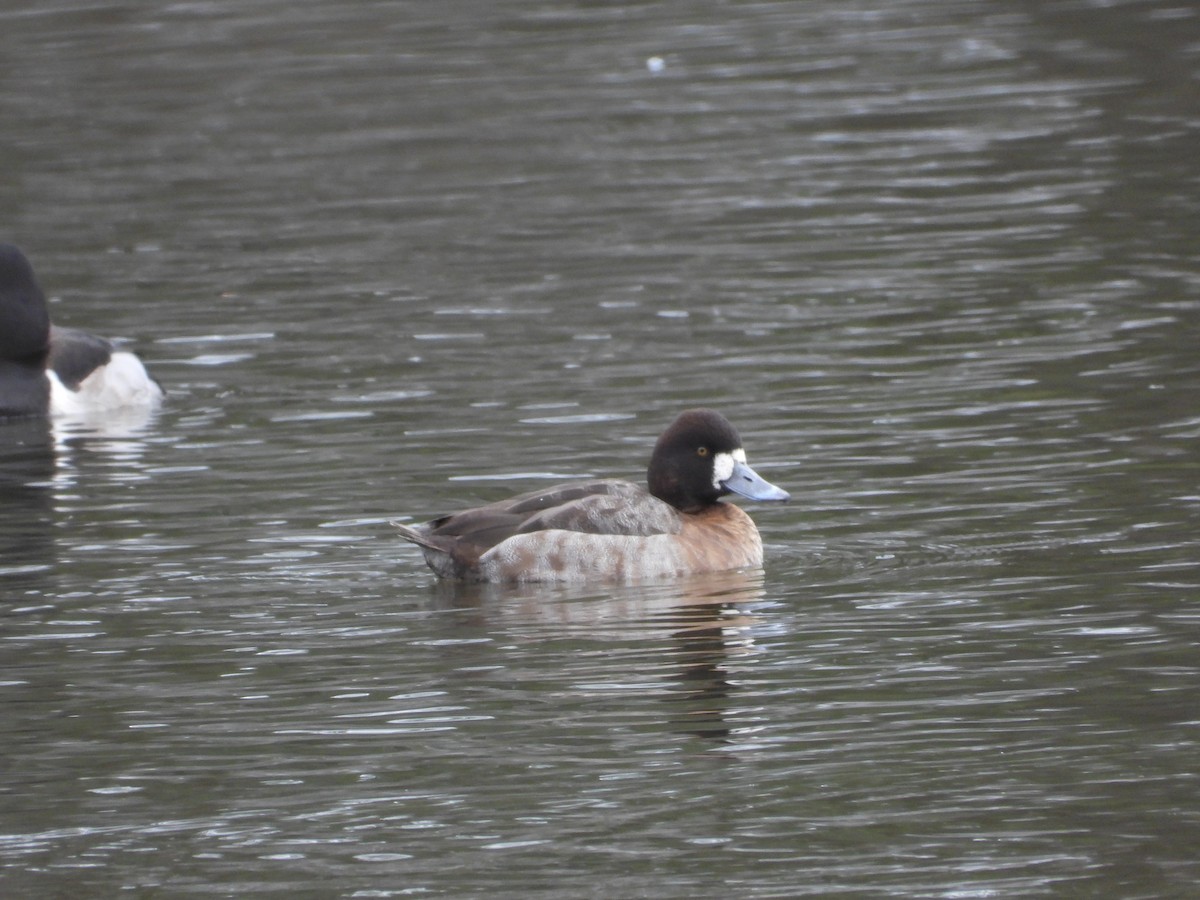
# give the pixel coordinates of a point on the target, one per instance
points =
(749, 484)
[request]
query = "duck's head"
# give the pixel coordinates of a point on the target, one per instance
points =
(24, 320)
(698, 459)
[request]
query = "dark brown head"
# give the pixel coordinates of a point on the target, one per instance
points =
(698, 459)
(24, 320)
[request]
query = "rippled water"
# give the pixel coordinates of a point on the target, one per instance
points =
(937, 262)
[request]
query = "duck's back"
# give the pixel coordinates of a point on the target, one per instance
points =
(89, 374)
(75, 354)
(456, 545)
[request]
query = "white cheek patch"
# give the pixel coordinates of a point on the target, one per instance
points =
(723, 464)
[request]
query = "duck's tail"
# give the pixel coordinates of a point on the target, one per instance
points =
(438, 551)
(415, 536)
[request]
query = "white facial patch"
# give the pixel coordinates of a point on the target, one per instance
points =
(723, 464)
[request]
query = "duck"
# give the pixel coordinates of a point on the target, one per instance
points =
(609, 530)
(46, 370)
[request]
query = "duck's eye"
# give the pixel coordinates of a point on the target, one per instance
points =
(702, 451)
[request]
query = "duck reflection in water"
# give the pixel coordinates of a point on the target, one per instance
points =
(27, 469)
(672, 641)
(43, 462)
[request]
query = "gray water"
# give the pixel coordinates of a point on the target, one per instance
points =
(937, 260)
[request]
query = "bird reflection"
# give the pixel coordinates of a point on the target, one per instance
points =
(26, 505)
(40, 464)
(706, 630)
(703, 689)
(119, 436)
(682, 631)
